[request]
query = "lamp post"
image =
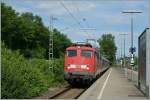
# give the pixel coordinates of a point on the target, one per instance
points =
(132, 48)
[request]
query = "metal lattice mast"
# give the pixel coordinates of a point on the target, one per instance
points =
(51, 42)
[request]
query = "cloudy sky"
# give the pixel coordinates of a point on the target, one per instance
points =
(102, 15)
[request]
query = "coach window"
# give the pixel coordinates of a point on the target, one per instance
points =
(71, 53)
(86, 53)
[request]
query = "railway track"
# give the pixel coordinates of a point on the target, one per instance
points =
(69, 93)
(72, 92)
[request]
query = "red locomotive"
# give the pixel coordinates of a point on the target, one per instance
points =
(83, 63)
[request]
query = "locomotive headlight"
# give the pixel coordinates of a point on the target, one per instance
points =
(71, 66)
(87, 68)
(84, 66)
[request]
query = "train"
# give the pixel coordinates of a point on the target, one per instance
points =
(83, 63)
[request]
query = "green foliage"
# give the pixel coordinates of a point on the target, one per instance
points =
(25, 36)
(24, 79)
(60, 43)
(27, 33)
(108, 47)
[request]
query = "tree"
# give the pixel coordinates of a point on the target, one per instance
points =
(60, 43)
(108, 47)
(26, 32)
(8, 18)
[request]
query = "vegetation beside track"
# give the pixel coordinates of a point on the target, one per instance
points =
(27, 33)
(25, 70)
(108, 47)
(22, 78)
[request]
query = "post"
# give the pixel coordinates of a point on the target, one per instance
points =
(51, 54)
(124, 58)
(121, 58)
(132, 30)
(124, 53)
(51, 44)
(132, 49)
(132, 55)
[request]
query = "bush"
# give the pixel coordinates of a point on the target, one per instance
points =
(22, 78)
(58, 70)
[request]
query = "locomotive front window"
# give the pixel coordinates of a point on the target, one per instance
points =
(71, 53)
(86, 53)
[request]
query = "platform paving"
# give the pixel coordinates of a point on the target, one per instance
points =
(113, 85)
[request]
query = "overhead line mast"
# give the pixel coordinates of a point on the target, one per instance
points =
(51, 50)
(124, 58)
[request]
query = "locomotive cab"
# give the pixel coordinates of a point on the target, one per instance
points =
(79, 63)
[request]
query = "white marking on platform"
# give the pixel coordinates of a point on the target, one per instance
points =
(102, 90)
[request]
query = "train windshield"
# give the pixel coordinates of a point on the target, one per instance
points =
(71, 53)
(86, 53)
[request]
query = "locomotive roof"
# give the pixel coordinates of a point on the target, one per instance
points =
(82, 44)
(80, 47)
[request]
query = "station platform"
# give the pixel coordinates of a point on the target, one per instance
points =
(113, 85)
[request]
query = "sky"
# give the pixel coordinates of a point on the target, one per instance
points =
(100, 16)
